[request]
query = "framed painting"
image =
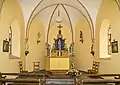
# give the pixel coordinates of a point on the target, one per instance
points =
(5, 46)
(115, 47)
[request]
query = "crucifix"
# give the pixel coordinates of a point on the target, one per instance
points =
(60, 26)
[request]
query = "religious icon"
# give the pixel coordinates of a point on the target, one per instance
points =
(5, 46)
(115, 46)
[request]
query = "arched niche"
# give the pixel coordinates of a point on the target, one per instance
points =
(105, 25)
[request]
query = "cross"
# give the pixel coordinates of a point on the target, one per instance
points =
(59, 26)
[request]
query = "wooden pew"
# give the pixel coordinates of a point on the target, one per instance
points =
(23, 78)
(37, 82)
(116, 76)
(20, 81)
(98, 81)
(43, 77)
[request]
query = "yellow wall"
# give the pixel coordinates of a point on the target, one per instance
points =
(83, 58)
(109, 10)
(36, 51)
(11, 10)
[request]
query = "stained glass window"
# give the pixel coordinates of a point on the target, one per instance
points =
(10, 40)
(109, 41)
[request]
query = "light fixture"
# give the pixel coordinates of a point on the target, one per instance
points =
(92, 48)
(58, 18)
(26, 47)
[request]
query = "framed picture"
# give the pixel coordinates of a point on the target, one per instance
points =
(115, 47)
(5, 46)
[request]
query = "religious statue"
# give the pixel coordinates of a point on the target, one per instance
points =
(59, 47)
(48, 47)
(59, 44)
(71, 48)
(65, 47)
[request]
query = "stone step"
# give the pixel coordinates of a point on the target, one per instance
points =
(58, 72)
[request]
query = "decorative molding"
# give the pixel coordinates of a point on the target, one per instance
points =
(118, 3)
(51, 20)
(2, 2)
(31, 15)
(69, 21)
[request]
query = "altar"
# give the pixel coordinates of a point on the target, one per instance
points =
(60, 56)
(57, 63)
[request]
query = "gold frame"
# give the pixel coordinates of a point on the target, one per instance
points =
(115, 47)
(5, 46)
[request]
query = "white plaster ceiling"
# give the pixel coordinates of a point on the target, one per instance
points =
(46, 20)
(28, 5)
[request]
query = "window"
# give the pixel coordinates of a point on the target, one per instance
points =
(105, 39)
(10, 40)
(14, 40)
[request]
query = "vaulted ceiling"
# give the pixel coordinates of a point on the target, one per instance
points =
(70, 11)
(88, 7)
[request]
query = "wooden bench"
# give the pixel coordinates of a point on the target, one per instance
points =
(95, 68)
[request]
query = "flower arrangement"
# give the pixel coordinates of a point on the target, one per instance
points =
(73, 72)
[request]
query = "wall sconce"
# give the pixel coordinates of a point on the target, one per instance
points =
(81, 36)
(26, 47)
(38, 38)
(26, 52)
(92, 50)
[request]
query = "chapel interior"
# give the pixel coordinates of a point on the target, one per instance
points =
(47, 39)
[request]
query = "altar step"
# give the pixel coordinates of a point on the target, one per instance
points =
(58, 72)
